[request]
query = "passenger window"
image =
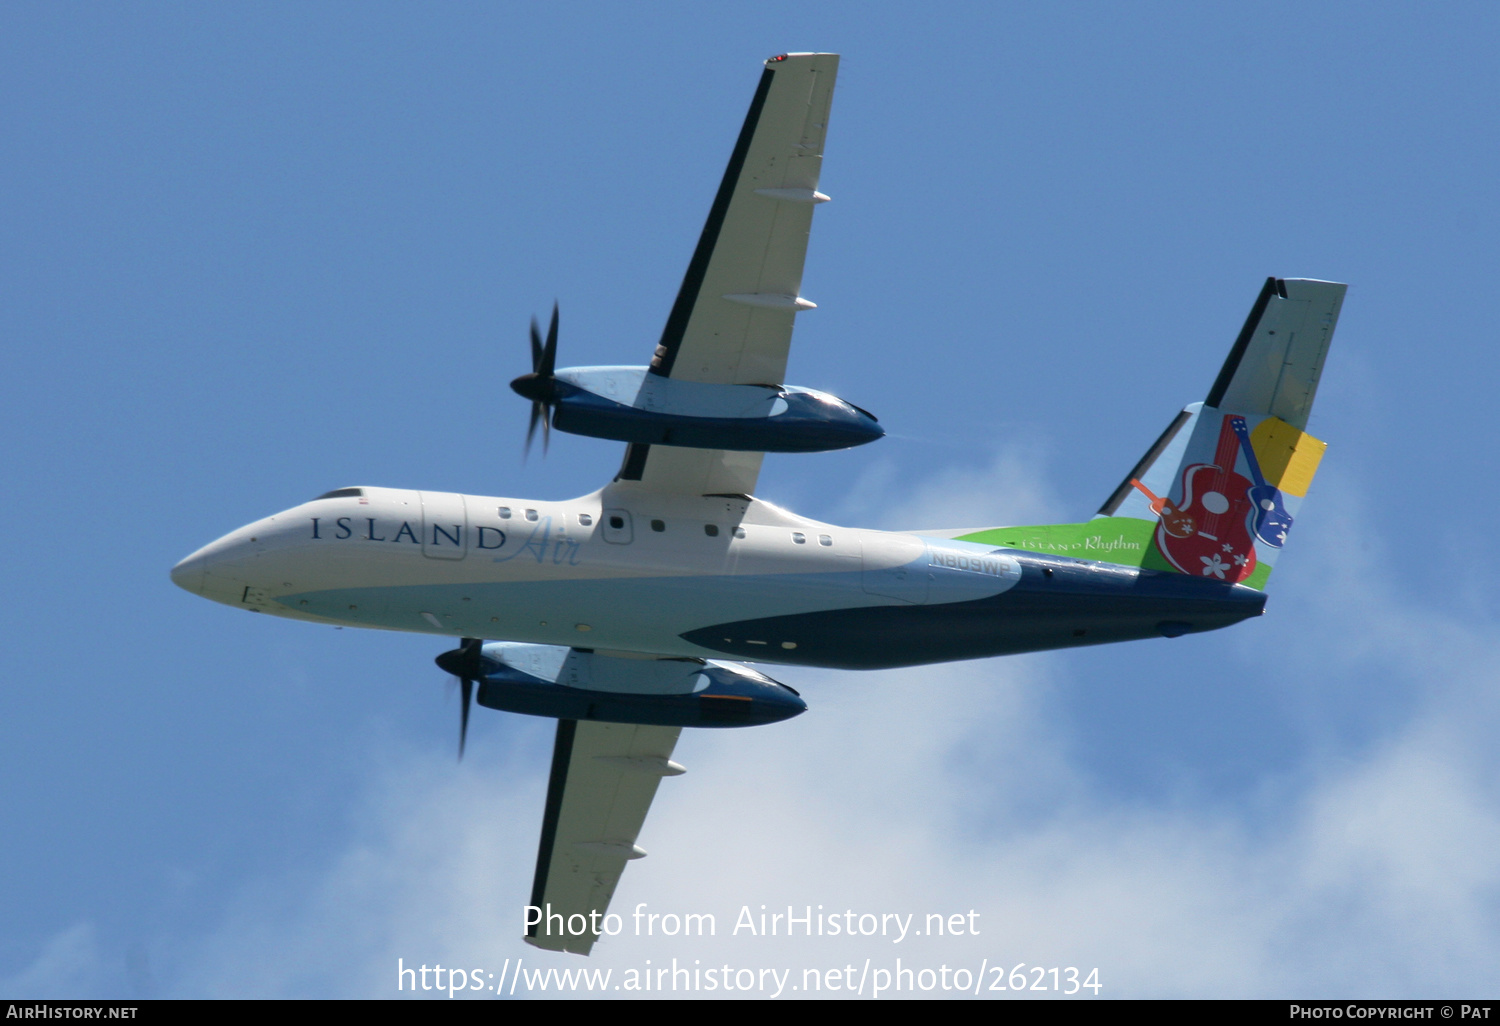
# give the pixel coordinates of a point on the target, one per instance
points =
(504, 512)
(824, 539)
(799, 537)
(617, 526)
(658, 526)
(712, 530)
(531, 514)
(585, 520)
(739, 532)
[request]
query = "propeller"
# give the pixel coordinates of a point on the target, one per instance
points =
(466, 664)
(540, 386)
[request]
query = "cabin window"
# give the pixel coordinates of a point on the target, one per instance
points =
(616, 526)
(585, 520)
(712, 530)
(825, 539)
(531, 514)
(739, 532)
(799, 537)
(504, 512)
(658, 526)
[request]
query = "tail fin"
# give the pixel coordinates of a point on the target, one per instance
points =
(1218, 492)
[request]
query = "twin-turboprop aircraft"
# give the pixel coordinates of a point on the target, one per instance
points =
(626, 613)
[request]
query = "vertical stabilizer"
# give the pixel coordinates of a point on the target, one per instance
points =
(1223, 483)
(1218, 492)
(1274, 367)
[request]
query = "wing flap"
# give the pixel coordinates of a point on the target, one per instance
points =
(604, 777)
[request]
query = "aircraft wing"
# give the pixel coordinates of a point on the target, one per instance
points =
(604, 776)
(732, 321)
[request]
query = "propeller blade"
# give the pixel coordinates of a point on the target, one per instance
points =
(537, 411)
(539, 386)
(472, 649)
(549, 352)
(463, 723)
(467, 664)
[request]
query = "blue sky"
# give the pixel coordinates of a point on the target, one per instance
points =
(254, 252)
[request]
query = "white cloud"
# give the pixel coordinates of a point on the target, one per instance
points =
(1011, 489)
(67, 966)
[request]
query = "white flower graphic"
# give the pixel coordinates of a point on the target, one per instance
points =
(1240, 560)
(1213, 566)
(1228, 547)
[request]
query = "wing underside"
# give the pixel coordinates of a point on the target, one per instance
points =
(731, 324)
(604, 776)
(732, 320)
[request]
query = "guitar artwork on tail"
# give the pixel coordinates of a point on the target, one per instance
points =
(1218, 501)
(1218, 522)
(1272, 521)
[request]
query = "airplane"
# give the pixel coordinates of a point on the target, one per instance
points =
(639, 609)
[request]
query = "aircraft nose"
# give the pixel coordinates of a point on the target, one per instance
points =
(222, 569)
(188, 574)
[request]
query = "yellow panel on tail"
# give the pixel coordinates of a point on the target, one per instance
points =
(1289, 458)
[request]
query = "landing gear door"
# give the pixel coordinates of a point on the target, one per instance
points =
(617, 527)
(445, 526)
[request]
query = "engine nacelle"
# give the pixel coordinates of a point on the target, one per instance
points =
(572, 684)
(628, 404)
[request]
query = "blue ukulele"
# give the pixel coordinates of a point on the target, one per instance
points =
(1272, 521)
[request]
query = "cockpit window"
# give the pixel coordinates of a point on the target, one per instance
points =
(343, 493)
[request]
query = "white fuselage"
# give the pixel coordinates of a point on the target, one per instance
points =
(622, 569)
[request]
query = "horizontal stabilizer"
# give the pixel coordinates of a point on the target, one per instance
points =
(1274, 367)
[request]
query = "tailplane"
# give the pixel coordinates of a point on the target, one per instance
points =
(1218, 492)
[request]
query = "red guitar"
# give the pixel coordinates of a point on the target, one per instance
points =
(1218, 545)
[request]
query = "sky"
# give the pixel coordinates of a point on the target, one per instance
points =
(254, 252)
